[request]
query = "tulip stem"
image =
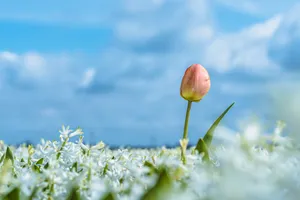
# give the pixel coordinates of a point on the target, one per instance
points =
(187, 118)
(184, 141)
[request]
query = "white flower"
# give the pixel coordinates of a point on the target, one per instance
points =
(78, 131)
(98, 146)
(65, 131)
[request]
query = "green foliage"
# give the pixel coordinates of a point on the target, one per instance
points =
(14, 194)
(209, 134)
(204, 144)
(75, 166)
(203, 149)
(33, 193)
(9, 155)
(161, 187)
(46, 166)
(105, 169)
(40, 161)
(2, 158)
(152, 168)
(74, 194)
(109, 196)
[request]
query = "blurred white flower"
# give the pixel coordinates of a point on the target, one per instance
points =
(78, 131)
(237, 171)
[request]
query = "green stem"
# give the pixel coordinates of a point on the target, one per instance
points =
(187, 117)
(184, 141)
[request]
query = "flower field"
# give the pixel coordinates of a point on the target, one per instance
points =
(243, 166)
(238, 167)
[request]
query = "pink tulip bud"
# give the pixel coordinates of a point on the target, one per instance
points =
(195, 83)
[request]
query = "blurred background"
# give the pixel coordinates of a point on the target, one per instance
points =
(114, 68)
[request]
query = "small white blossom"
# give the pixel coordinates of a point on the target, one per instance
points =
(78, 131)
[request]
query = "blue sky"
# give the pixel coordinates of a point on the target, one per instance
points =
(114, 67)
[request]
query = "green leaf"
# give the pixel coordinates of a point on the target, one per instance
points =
(9, 155)
(209, 135)
(160, 189)
(203, 149)
(75, 166)
(74, 194)
(40, 161)
(46, 166)
(13, 194)
(2, 158)
(33, 193)
(58, 155)
(153, 169)
(109, 196)
(36, 168)
(89, 174)
(105, 169)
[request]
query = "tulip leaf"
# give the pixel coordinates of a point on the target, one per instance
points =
(161, 187)
(203, 149)
(209, 134)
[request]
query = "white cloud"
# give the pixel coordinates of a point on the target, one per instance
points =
(243, 5)
(284, 46)
(195, 40)
(264, 8)
(246, 49)
(30, 66)
(31, 63)
(263, 30)
(34, 64)
(88, 77)
(134, 31)
(37, 68)
(200, 34)
(142, 6)
(243, 89)
(96, 13)
(7, 56)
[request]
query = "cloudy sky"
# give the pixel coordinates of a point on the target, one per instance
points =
(114, 67)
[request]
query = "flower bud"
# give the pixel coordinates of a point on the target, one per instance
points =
(195, 83)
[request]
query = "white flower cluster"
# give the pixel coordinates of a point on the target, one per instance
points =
(238, 169)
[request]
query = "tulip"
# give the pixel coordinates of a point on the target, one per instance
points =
(195, 85)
